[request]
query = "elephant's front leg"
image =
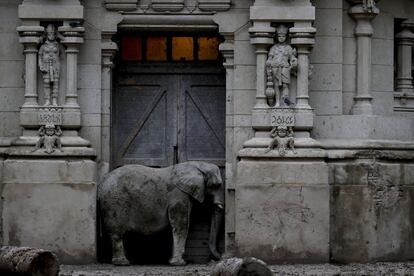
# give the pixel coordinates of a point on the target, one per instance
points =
(179, 217)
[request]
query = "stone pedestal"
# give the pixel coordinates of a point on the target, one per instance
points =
(372, 200)
(283, 206)
(50, 202)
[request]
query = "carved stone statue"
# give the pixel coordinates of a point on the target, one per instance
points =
(282, 139)
(146, 200)
(49, 138)
(279, 66)
(49, 65)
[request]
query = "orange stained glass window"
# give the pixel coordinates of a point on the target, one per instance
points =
(157, 48)
(182, 48)
(208, 48)
(131, 48)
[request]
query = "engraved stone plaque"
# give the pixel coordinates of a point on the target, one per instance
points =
(282, 117)
(50, 116)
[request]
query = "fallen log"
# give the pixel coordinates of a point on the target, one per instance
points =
(241, 267)
(27, 261)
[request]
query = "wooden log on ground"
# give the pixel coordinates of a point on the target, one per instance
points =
(27, 261)
(241, 267)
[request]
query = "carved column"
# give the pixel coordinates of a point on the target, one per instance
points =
(363, 16)
(30, 37)
(72, 40)
(303, 39)
(404, 70)
(261, 37)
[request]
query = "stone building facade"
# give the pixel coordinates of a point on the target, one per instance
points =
(314, 134)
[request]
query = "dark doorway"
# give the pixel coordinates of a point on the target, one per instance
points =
(168, 109)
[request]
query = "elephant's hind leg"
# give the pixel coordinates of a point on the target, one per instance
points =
(118, 253)
(179, 217)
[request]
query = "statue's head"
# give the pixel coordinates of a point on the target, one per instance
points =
(51, 32)
(282, 32)
(50, 130)
(282, 131)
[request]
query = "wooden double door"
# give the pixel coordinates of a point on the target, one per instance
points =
(168, 114)
(176, 115)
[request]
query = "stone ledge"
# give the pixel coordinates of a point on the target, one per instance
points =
(44, 12)
(68, 152)
(368, 127)
(288, 13)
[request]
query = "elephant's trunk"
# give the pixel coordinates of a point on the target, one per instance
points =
(216, 219)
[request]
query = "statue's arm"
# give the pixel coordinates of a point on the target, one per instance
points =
(58, 131)
(270, 58)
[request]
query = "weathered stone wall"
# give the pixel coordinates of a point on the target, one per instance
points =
(326, 58)
(364, 215)
(11, 70)
(51, 204)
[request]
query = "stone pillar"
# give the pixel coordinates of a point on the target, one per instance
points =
(30, 37)
(72, 40)
(303, 39)
(404, 70)
(261, 37)
(109, 49)
(363, 16)
(227, 50)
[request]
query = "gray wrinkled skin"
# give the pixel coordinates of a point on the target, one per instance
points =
(146, 200)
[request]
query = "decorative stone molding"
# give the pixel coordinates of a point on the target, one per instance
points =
(109, 49)
(121, 5)
(363, 12)
(49, 139)
(167, 5)
(214, 5)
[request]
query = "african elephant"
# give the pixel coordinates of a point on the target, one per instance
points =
(144, 200)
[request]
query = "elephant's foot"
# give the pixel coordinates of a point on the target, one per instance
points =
(177, 261)
(120, 261)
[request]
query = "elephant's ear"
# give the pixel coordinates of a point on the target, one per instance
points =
(190, 180)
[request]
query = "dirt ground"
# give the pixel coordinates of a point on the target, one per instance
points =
(388, 269)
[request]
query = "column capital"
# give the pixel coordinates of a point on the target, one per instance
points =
(302, 37)
(362, 11)
(109, 50)
(72, 36)
(262, 34)
(406, 34)
(227, 50)
(30, 34)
